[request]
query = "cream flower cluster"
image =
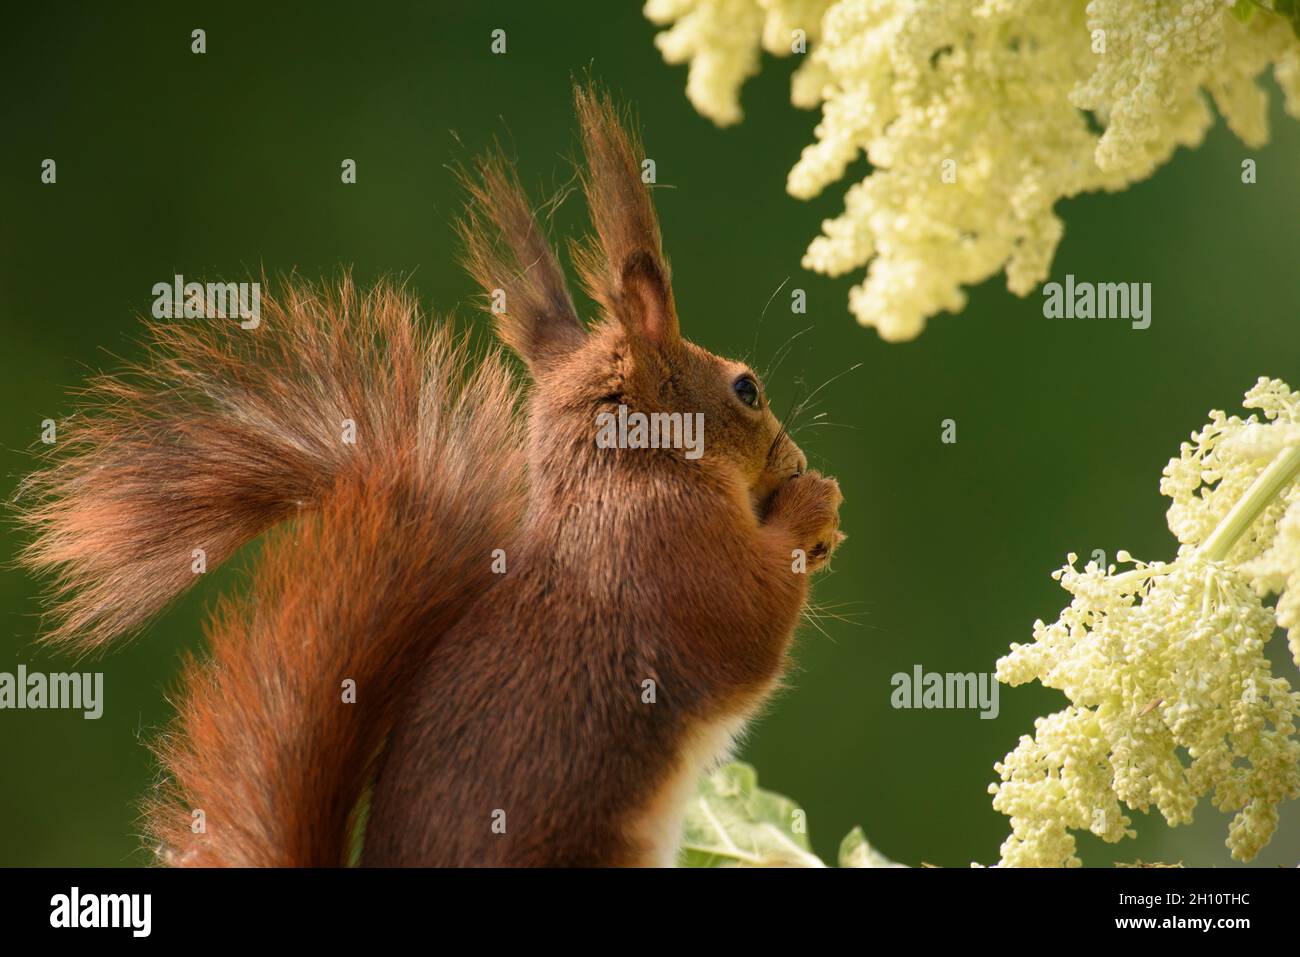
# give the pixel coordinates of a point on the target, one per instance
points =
(1213, 473)
(977, 117)
(1171, 695)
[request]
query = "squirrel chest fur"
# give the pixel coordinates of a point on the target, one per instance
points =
(542, 689)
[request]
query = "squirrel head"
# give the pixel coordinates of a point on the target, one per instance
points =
(634, 360)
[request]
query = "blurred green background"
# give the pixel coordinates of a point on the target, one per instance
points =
(219, 165)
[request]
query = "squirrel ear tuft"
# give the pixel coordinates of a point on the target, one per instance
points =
(507, 254)
(623, 268)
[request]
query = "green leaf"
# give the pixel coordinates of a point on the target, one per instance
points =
(1288, 10)
(732, 822)
(856, 851)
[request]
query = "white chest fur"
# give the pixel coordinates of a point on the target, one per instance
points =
(659, 828)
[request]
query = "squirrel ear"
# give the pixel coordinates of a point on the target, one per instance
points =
(624, 268)
(508, 255)
(645, 302)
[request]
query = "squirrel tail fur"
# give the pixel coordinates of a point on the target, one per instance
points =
(393, 466)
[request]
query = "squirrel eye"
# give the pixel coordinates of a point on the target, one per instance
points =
(746, 390)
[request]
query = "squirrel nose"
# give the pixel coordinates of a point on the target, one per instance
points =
(800, 462)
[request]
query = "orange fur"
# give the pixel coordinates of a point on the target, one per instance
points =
(221, 433)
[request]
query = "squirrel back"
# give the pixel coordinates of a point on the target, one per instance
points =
(548, 635)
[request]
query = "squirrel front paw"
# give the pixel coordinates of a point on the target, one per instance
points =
(808, 507)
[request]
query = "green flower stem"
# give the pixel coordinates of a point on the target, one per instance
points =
(1279, 474)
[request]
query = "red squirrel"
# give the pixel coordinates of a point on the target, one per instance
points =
(493, 639)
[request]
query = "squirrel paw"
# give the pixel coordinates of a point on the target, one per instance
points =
(808, 507)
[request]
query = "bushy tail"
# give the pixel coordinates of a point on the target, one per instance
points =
(402, 467)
